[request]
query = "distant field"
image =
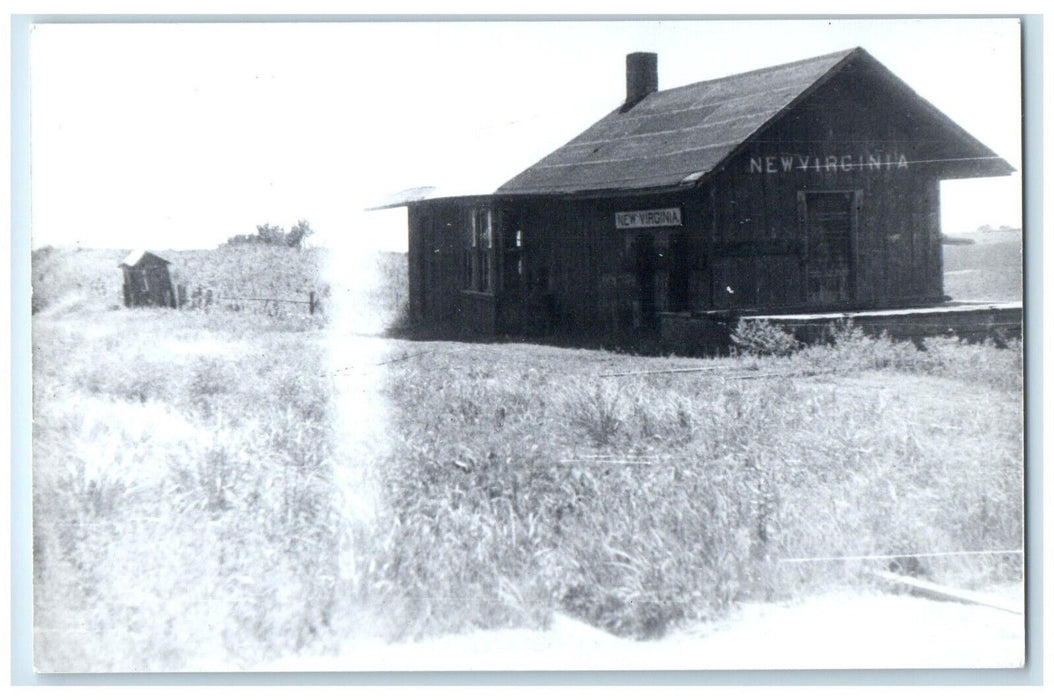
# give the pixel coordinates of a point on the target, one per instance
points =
(990, 269)
(89, 279)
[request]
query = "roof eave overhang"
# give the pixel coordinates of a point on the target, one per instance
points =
(994, 167)
(434, 200)
(609, 193)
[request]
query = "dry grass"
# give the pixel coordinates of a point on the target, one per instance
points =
(635, 502)
(187, 510)
(178, 471)
(180, 460)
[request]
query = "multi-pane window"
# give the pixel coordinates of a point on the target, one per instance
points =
(479, 249)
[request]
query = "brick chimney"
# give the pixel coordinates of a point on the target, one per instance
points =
(642, 76)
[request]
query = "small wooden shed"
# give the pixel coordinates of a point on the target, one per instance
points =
(146, 280)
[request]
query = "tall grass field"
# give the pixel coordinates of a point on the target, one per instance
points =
(192, 511)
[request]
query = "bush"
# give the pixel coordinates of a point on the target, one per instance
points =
(848, 348)
(600, 411)
(760, 338)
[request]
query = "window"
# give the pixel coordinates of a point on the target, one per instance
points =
(479, 250)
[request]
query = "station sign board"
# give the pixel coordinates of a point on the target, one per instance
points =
(648, 218)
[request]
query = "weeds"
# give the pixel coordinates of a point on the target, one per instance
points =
(761, 338)
(186, 506)
(599, 411)
(181, 512)
(692, 490)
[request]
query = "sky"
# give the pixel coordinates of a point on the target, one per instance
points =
(182, 135)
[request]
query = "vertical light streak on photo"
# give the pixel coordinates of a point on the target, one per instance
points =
(356, 353)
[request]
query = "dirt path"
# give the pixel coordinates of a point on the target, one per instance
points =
(841, 630)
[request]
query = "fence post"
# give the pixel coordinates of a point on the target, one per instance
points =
(311, 302)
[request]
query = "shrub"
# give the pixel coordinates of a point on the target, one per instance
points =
(599, 411)
(759, 338)
(848, 348)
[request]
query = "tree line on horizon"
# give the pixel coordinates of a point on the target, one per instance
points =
(268, 234)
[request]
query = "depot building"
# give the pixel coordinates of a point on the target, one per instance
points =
(809, 186)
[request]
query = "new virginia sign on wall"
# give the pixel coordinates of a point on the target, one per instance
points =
(648, 218)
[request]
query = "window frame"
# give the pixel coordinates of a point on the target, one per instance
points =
(479, 252)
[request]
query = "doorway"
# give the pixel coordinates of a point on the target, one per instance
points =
(829, 222)
(644, 267)
(650, 260)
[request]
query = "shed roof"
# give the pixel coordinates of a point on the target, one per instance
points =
(414, 195)
(675, 138)
(141, 257)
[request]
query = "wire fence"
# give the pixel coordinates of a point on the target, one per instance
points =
(199, 297)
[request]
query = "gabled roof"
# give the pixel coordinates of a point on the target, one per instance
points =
(675, 138)
(139, 257)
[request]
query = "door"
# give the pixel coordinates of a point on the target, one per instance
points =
(644, 265)
(829, 227)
